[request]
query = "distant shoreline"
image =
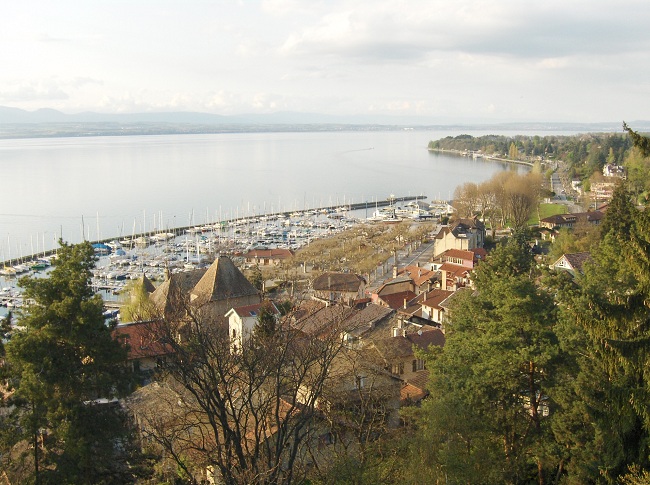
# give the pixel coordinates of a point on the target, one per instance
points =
(475, 155)
(10, 129)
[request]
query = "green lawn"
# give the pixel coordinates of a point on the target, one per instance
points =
(546, 210)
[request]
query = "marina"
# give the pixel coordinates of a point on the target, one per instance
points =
(189, 247)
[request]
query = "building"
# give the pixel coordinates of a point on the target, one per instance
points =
(432, 305)
(559, 221)
(572, 262)
(242, 321)
(146, 349)
(343, 288)
(613, 170)
(267, 257)
(207, 293)
(398, 354)
(464, 234)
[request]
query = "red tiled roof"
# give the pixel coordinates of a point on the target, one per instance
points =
(455, 270)
(254, 309)
(479, 254)
(396, 300)
(435, 297)
(459, 253)
(426, 338)
(411, 393)
(418, 274)
(142, 338)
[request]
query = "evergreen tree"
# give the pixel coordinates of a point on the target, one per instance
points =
(608, 326)
(489, 384)
(65, 365)
(640, 141)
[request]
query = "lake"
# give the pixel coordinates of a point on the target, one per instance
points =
(102, 187)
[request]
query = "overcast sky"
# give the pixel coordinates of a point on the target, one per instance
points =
(447, 60)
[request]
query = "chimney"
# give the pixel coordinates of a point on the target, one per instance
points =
(395, 271)
(404, 302)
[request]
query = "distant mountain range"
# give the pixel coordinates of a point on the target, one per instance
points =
(16, 122)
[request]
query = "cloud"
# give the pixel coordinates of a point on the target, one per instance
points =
(33, 92)
(411, 30)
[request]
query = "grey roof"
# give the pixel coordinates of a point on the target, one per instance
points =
(577, 260)
(222, 281)
(325, 320)
(366, 319)
(392, 348)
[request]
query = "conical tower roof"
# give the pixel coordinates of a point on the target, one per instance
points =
(222, 281)
(174, 290)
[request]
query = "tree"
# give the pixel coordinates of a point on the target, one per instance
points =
(608, 324)
(640, 141)
(466, 199)
(62, 364)
(137, 305)
(490, 383)
(513, 151)
(246, 416)
(521, 195)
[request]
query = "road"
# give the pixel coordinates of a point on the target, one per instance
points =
(421, 255)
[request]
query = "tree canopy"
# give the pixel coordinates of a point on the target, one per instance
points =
(64, 365)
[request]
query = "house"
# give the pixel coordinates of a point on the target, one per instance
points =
(423, 279)
(464, 234)
(398, 354)
(242, 320)
(343, 288)
(454, 276)
(601, 191)
(613, 170)
(395, 293)
(360, 324)
(146, 349)
(559, 221)
(432, 305)
(572, 262)
(324, 321)
(267, 257)
(170, 298)
(460, 257)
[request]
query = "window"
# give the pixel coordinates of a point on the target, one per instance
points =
(360, 382)
(417, 364)
(398, 368)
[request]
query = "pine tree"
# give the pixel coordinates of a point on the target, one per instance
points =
(65, 364)
(489, 384)
(608, 322)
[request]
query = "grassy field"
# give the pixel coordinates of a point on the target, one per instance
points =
(547, 210)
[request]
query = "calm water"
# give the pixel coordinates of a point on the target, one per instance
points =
(109, 186)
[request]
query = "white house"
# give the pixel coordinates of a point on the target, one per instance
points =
(242, 320)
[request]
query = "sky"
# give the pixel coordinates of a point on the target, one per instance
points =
(442, 61)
